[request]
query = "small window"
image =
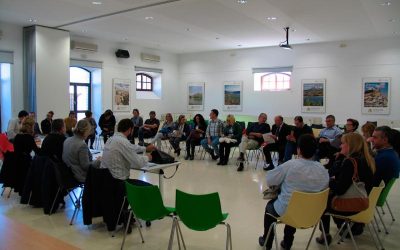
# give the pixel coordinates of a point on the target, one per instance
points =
(144, 82)
(272, 79)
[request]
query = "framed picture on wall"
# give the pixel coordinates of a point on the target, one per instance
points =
(121, 94)
(376, 95)
(195, 96)
(233, 97)
(313, 96)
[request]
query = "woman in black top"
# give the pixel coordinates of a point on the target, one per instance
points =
(52, 145)
(195, 136)
(231, 138)
(107, 124)
(341, 173)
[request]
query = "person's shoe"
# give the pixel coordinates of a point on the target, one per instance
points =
(283, 246)
(270, 167)
(220, 163)
(261, 241)
(240, 168)
(321, 240)
(213, 156)
(224, 163)
(191, 157)
(187, 157)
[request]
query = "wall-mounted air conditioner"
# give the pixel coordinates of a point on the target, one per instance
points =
(75, 45)
(149, 58)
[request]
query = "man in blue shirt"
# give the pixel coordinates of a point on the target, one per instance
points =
(301, 174)
(213, 133)
(328, 138)
(386, 159)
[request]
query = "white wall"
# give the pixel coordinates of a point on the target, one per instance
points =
(343, 69)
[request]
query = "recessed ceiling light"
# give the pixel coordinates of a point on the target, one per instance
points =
(395, 33)
(308, 39)
(32, 20)
(239, 45)
(242, 1)
(187, 29)
(84, 31)
(149, 18)
(392, 20)
(97, 2)
(293, 30)
(271, 18)
(385, 4)
(217, 38)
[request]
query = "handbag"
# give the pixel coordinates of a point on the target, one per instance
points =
(271, 193)
(160, 157)
(355, 199)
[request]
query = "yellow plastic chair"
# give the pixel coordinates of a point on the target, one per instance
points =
(304, 211)
(365, 217)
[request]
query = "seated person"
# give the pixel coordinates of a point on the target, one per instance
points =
(179, 133)
(24, 141)
(300, 128)
(46, 123)
(354, 147)
(195, 136)
(137, 123)
(327, 138)
(231, 138)
(14, 125)
(165, 130)
(107, 124)
(53, 143)
(92, 136)
(301, 174)
(279, 132)
(76, 153)
(213, 132)
(149, 128)
(386, 159)
(351, 125)
(253, 137)
(70, 123)
(36, 129)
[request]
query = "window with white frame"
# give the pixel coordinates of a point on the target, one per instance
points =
(272, 79)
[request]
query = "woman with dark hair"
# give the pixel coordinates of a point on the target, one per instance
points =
(164, 132)
(195, 136)
(107, 124)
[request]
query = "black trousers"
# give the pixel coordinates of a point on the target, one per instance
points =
(225, 150)
(274, 147)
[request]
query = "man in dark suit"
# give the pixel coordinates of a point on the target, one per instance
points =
(279, 132)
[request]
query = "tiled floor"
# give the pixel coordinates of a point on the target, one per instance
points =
(241, 196)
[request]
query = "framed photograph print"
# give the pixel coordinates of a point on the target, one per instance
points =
(233, 96)
(313, 96)
(376, 95)
(121, 94)
(195, 96)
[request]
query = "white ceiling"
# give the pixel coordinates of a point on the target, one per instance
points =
(202, 25)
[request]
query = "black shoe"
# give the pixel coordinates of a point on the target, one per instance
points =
(261, 241)
(240, 168)
(321, 240)
(224, 163)
(187, 157)
(220, 163)
(191, 157)
(270, 167)
(213, 156)
(284, 246)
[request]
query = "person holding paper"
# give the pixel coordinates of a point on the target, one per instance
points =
(231, 138)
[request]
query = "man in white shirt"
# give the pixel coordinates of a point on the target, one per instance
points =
(14, 125)
(119, 155)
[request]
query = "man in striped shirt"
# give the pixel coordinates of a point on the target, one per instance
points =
(213, 133)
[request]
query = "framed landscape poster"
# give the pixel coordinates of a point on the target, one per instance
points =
(195, 96)
(233, 96)
(313, 96)
(121, 94)
(376, 95)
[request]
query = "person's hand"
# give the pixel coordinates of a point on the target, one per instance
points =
(150, 157)
(105, 129)
(150, 148)
(323, 140)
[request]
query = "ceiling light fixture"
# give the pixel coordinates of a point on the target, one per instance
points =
(386, 4)
(32, 20)
(97, 2)
(392, 20)
(285, 44)
(149, 18)
(271, 18)
(241, 1)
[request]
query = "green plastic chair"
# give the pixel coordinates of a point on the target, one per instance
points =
(199, 213)
(381, 202)
(146, 204)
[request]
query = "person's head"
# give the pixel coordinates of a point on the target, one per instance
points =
(152, 114)
(107, 114)
(27, 125)
(306, 146)
(214, 114)
(181, 119)
(71, 114)
(367, 129)
(353, 144)
(88, 114)
(298, 121)
(22, 114)
(330, 121)
(58, 126)
(230, 119)
(395, 140)
(351, 125)
(49, 115)
(278, 120)
(198, 119)
(262, 118)
(381, 137)
(169, 118)
(125, 126)
(82, 129)
(135, 112)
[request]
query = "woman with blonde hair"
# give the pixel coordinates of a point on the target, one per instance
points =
(354, 154)
(76, 153)
(232, 134)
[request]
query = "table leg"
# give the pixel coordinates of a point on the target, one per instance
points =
(161, 182)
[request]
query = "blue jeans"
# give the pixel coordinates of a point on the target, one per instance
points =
(290, 149)
(214, 144)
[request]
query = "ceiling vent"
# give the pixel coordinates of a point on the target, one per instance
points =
(75, 45)
(149, 58)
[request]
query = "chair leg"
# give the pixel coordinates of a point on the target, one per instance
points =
(377, 236)
(381, 219)
(337, 233)
(171, 236)
(390, 211)
(54, 202)
(351, 236)
(269, 232)
(119, 216)
(372, 235)
(138, 225)
(377, 225)
(180, 234)
(126, 229)
(324, 234)
(77, 204)
(276, 237)
(228, 237)
(309, 241)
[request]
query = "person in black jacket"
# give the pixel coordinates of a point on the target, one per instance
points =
(179, 133)
(52, 144)
(353, 146)
(231, 138)
(46, 123)
(195, 136)
(107, 124)
(279, 132)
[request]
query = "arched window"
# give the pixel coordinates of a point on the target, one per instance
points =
(80, 91)
(275, 81)
(144, 82)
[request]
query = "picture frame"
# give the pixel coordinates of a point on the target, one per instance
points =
(313, 99)
(233, 96)
(375, 97)
(121, 95)
(195, 100)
